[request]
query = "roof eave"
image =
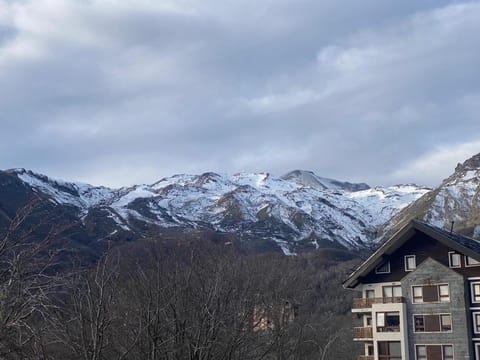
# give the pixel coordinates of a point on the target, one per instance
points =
(448, 242)
(397, 240)
(374, 259)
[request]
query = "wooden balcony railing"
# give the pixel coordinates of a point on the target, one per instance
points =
(365, 357)
(362, 332)
(388, 329)
(361, 303)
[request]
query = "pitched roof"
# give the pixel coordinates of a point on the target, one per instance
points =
(460, 243)
(462, 240)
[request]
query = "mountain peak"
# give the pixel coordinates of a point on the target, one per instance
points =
(456, 199)
(470, 164)
(310, 179)
(260, 210)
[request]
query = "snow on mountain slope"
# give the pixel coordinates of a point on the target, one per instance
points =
(457, 198)
(77, 194)
(299, 208)
(308, 178)
(383, 203)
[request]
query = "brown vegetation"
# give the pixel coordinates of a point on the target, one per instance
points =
(150, 301)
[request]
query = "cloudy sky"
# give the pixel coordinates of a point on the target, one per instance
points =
(117, 92)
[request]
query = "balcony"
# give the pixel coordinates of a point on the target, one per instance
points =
(364, 303)
(393, 328)
(365, 357)
(362, 333)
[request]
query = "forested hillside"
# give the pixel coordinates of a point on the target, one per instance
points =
(181, 299)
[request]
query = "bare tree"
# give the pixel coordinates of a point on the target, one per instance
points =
(82, 319)
(27, 277)
(197, 302)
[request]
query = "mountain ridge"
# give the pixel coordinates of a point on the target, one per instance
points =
(296, 212)
(456, 199)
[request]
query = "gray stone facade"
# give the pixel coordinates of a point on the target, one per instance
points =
(432, 272)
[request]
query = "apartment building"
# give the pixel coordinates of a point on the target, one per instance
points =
(420, 297)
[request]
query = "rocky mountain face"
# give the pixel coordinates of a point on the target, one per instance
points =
(297, 212)
(309, 179)
(456, 200)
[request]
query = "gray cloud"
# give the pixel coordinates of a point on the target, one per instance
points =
(121, 92)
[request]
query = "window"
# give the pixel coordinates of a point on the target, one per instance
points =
(419, 323)
(471, 261)
(476, 322)
(430, 293)
(475, 289)
(432, 323)
(477, 351)
(410, 263)
(391, 291)
(447, 351)
(421, 351)
(454, 260)
(417, 294)
(443, 293)
(389, 350)
(445, 322)
(380, 319)
(369, 349)
(434, 352)
(369, 294)
(388, 321)
(383, 268)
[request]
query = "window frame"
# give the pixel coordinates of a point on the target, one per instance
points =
(451, 254)
(473, 296)
(405, 262)
(415, 325)
(415, 331)
(476, 262)
(380, 319)
(440, 298)
(387, 263)
(369, 291)
(443, 352)
(416, 297)
(442, 324)
(385, 315)
(477, 350)
(475, 324)
(423, 357)
(442, 347)
(389, 356)
(370, 349)
(393, 287)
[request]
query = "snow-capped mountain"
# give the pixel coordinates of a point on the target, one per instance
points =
(296, 212)
(309, 179)
(456, 200)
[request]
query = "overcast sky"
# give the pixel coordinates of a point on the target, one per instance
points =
(116, 92)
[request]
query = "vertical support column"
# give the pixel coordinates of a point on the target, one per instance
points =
(404, 331)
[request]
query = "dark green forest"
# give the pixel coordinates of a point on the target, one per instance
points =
(177, 299)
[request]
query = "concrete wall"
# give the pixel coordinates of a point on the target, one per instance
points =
(400, 336)
(435, 273)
